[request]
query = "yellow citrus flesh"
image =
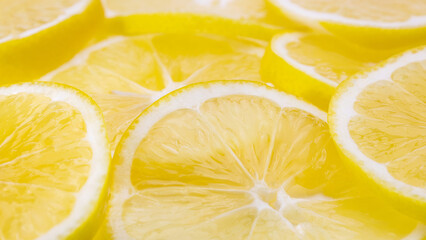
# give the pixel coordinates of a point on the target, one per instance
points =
(235, 17)
(239, 160)
(33, 34)
(48, 151)
(382, 127)
(311, 65)
(379, 24)
(126, 74)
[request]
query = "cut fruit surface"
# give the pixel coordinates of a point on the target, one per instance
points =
(239, 160)
(126, 74)
(378, 119)
(54, 162)
(380, 23)
(311, 65)
(33, 34)
(235, 17)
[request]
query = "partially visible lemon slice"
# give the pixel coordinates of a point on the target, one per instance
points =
(311, 65)
(240, 160)
(230, 17)
(54, 163)
(378, 119)
(126, 74)
(379, 23)
(36, 36)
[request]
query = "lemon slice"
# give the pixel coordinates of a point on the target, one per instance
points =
(379, 24)
(36, 36)
(239, 160)
(54, 162)
(126, 74)
(230, 17)
(378, 120)
(311, 65)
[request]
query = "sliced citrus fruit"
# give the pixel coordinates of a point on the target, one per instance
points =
(54, 162)
(126, 74)
(230, 17)
(378, 119)
(311, 65)
(36, 36)
(380, 23)
(239, 160)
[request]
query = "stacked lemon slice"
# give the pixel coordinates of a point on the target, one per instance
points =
(185, 96)
(37, 36)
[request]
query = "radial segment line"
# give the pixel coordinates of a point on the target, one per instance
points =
(289, 224)
(226, 145)
(253, 226)
(164, 73)
(195, 74)
(272, 145)
(228, 213)
(127, 80)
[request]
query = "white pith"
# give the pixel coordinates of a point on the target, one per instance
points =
(278, 45)
(87, 198)
(314, 19)
(75, 9)
(343, 111)
(192, 98)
